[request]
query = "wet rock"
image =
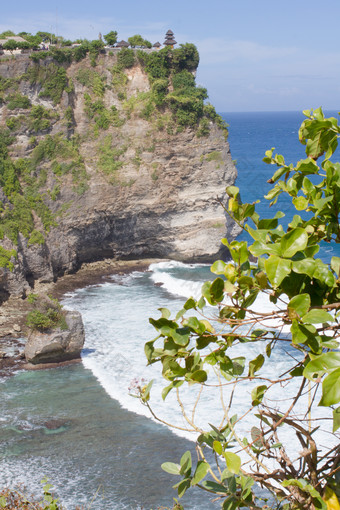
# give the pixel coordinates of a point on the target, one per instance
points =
(57, 346)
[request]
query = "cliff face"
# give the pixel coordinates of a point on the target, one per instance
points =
(117, 176)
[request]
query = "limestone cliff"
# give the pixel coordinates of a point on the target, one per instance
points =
(101, 169)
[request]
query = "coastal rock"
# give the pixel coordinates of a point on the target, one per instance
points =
(57, 346)
(140, 188)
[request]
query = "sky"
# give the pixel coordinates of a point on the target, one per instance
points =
(255, 55)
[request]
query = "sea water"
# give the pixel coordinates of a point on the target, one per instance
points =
(79, 425)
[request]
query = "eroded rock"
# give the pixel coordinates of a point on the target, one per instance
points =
(57, 346)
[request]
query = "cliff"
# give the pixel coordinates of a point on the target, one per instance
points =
(103, 159)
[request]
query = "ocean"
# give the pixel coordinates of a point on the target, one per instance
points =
(78, 425)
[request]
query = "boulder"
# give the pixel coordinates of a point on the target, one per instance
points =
(56, 345)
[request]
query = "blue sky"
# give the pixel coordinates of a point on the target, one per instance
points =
(256, 55)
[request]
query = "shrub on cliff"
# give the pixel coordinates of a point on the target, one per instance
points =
(17, 100)
(274, 440)
(126, 58)
(47, 313)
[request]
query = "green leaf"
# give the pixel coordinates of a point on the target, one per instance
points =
(170, 467)
(316, 316)
(215, 487)
(255, 365)
(331, 389)
(3, 502)
(200, 472)
(325, 363)
(218, 267)
(305, 266)
(217, 446)
(296, 240)
(165, 312)
(335, 265)
(186, 463)
(190, 303)
(146, 391)
(194, 324)
(174, 384)
(230, 504)
(233, 462)
(183, 486)
(257, 394)
(277, 269)
(304, 334)
(300, 304)
(199, 376)
(300, 203)
(336, 419)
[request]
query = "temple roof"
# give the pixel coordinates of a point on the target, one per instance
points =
(169, 32)
(170, 42)
(157, 45)
(122, 44)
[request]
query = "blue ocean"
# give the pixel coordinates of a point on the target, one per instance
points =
(78, 425)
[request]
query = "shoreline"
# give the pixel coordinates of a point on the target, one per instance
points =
(13, 331)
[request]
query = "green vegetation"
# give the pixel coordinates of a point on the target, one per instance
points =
(31, 183)
(126, 58)
(52, 78)
(92, 80)
(18, 499)
(109, 162)
(214, 156)
(22, 180)
(137, 40)
(111, 37)
(47, 314)
(282, 452)
(17, 101)
(6, 258)
(40, 118)
(102, 116)
(36, 237)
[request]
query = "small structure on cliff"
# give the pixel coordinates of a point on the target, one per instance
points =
(170, 39)
(157, 45)
(122, 44)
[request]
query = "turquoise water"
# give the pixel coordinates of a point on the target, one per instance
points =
(95, 445)
(78, 425)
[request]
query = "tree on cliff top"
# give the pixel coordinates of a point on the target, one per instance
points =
(275, 440)
(111, 37)
(137, 40)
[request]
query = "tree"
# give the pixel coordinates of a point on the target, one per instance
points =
(34, 40)
(7, 33)
(137, 40)
(283, 452)
(186, 57)
(10, 45)
(111, 38)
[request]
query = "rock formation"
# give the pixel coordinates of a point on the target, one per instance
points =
(116, 181)
(56, 345)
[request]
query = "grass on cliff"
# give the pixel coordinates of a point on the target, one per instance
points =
(47, 313)
(52, 79)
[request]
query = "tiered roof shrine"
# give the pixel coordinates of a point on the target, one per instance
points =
(169, 39)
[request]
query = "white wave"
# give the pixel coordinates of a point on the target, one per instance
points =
(117, 328)
(170, 264)
(176, 286)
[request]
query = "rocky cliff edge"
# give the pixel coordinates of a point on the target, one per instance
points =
(126, 185)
